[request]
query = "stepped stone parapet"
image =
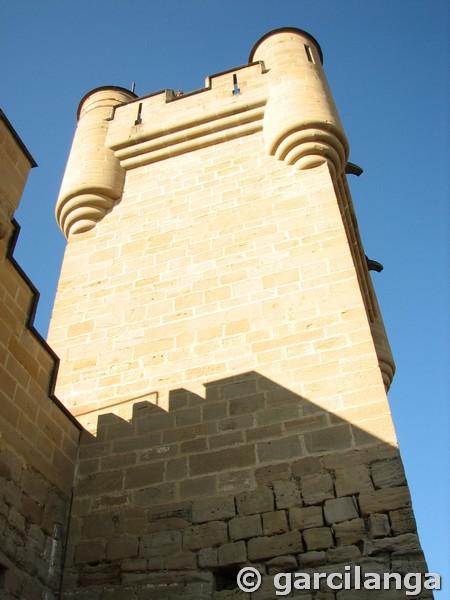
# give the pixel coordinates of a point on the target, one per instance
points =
(93, 181)
(38, 436)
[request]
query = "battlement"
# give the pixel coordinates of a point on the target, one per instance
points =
(195, 120)
(283, 93)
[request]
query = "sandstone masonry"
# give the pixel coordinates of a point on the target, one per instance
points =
(221, 345)
(38, 436)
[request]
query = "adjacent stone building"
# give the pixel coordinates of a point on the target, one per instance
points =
(38, 437)
(222, 354)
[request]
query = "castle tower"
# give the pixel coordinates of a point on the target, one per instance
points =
(215, 310)
(211, 234)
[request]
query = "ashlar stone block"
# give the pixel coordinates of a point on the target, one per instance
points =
(16, 520)
(265, 592)
(318, 538)
(402, 521)
(213, 509)
(255, 501)
(280, 449)
(310, 465)
(208, 558)
(269, 547)
(287, 494)
(230, 458)
(379, 525)
(340, 509)
(353, 480)
(388, 473)
(133, 565)
(206, 535)
(317, 488)
(271, 473)
(98, 525)
(350, 532)
(409, 562)
(384, 499)
(306, 517)
(234, 553)
(404, 543)
(275, 522)
(242, 528)
(160, 543)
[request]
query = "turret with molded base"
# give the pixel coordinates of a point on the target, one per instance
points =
(93, 181)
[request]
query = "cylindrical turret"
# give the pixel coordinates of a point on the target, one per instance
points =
(93, 180)
(301, 122)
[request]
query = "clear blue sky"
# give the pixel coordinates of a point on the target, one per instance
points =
(387, 64)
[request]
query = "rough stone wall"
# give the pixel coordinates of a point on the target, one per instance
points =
(173, 504)
(38, 439)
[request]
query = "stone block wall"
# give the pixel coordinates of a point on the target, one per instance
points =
(222, 254)
(172, 504)
(38, 449)
(38, 437)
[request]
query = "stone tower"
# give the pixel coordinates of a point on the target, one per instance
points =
(219, 335)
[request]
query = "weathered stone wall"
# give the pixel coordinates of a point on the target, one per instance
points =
(173, 504)
(38, 439)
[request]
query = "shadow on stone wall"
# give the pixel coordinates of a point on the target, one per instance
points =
(173, 503)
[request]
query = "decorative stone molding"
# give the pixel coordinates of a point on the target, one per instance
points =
(188, 136)
(94, 179)
(283, 92)
(301, 123)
